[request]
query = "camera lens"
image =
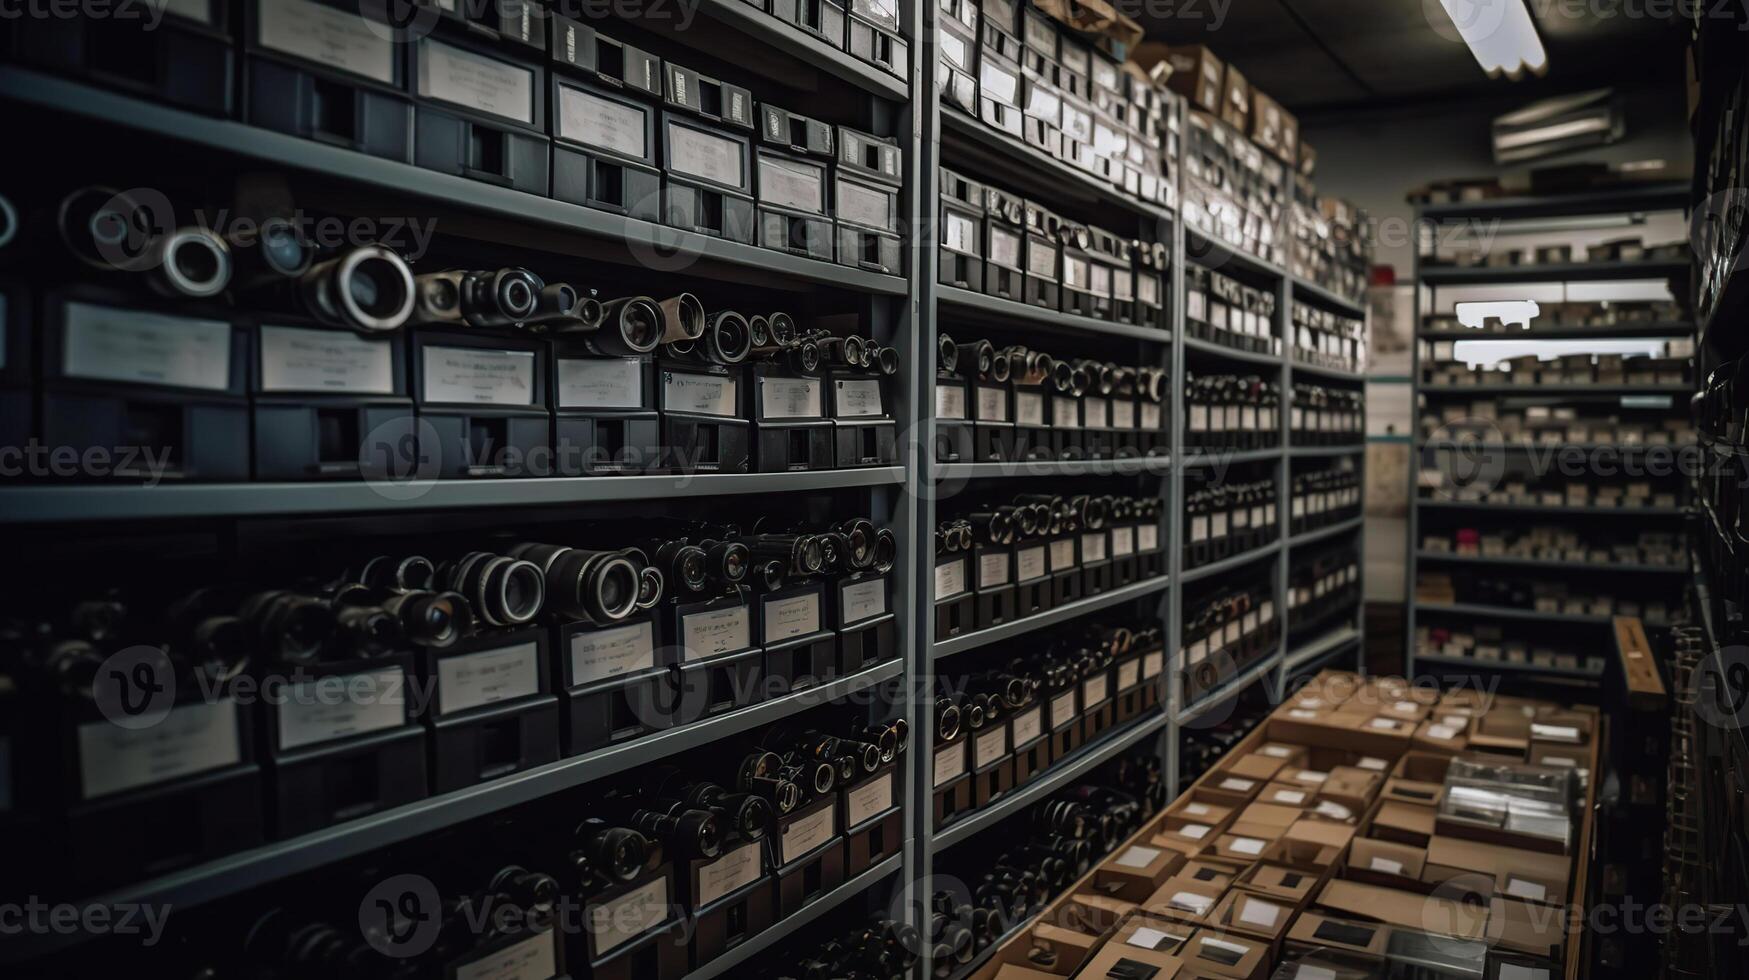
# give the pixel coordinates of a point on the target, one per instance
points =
(750, 814)
(515, 296)
(368, 630)
(805, 357)
(410, 574)
(683, 318)
(728, 561)
(282, 250)
(728, 340)
(190, 262)
(619, 852)
(859, 537)
(650, 584)
(823, 777)
(1062, 375)
(432, 619)
(887, 359)
(689, 566)
(700, 833)
(105, 228)
(782, 327)
(855, 351)
(886, 549)
(631, 325)
(589, 312)
(760, 329)
(293, 628)
(947, 354)
(771, 575)
(368, 289)
(810, 555)
(1000, 368)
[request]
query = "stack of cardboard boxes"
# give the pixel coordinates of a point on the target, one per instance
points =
(1368, 826)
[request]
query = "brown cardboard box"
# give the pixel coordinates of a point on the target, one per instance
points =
(1315, 928)
(1206, 873)
(1307, 779)
(1407, 909)
(1115, 960)
(1450, 856)
(1321, 832)
(1290, 755)
(1535, 929)
(1308, 160)
(1291, 885)
(1143, 931)
(1435, 736)
(1236, 103)
(1196, 74)
(1255, 766)
(1009, 971)
(1402, 790)
(1335, 811)
(1269, 816)
(1068, 948)
(1265, 122)
(1309, 856)
(1093, 914)
(1288, 151)
(1230, 789)
(1528, 887)
(1137, 871)
(1253, 915)
(1405, 823)
(1202, 807)
(1351, 786)
(1503, 731)
(1386, 863)
(1423, 767)
(1184, 900)
(1218, 954)
(1287, 794)
(1560, 756)
(1242, 844)
(1194, 833)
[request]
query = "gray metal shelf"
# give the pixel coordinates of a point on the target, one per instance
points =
(1085, 759)
(1650, 196)
(1314, 452)
(1339, 374)
(1565, 272)
(1229, 690)
(1046, 468)
(1558, 331)
(1213, 349)
(784, 928)
(1228, 564)
(1472, 663)
(1216, 253)
(1509, 612)
(237, 873)
(1226, 458)
(1318, 649)
(400, 179)
(1051, 617)
(1553, 509)
(756, 23)
(1555, 563)
(1318, 295)
(1551, 390)
(968, 135)
(1334, 530)
(963, 303)
(48, 504)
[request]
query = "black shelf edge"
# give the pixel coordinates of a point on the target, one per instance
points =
(987, 308)
(1563, 272)
(784, 928)
(1318, 295)
(1061, 177)
(1555, 508)
(1334, 530)
(1557, 390)
(1509, 612)
(1213, 349)
(1224, 458)
(1340, 374)
(291, 152)
(1651, 196)
(1471, 663)
(1085, 759)
(1676, 328)
(237, 873)
(1325, 452)
(1051, 617)
(1227, 564)
(1556, 447)
(51, 504)
(1443, 558)
(1148, 466)
(756, 23)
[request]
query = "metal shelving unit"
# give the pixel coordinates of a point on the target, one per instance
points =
(756, 944)
(1629, 200)
(1149, 466)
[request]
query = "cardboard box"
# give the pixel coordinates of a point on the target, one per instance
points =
(1308, 160)
(1254, 766)
(1191, 833)
(1434, 735)
(1310, 856)
(1253, 915)
(1399, 908)
(1321, 833)
(1218, 954)
(1400, 790)
(1143, 931)
(1268, 815)
(1202, 808)
(1009, 971)
(1423, 767)
(1525, 928)
(1129, 961)
(1184, 900)
(1067, 948)
(1290, 755)
(1137, 871)
(1351, 786)
(1196, 74)
(1287, 794)
(1206, 873)
(1093, 914)
(1530, 887)
(1232, 790)
(1386, 863)
(1292, 885)
(1236, 102)
(1321, 929)
(1451, 856)
(1404, 822)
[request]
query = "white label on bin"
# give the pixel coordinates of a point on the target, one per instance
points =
(792, 185)
(1196, 809)
(1236, 785)
(1387, 866)
(1292, 797)
(1194, 831)
(791, 398)
(616, 382)
(962, 233)
(474, 376)
(599, 654)
(950, 763)
(473, 679)
(1258, 913)
(1093, 690)
(1065, 413)
(865, 205)
(1027, 726)
(1095, 413)
(1093, 547)
(1030, 564)
(1123, 415)
(1063, 555)
(328, 36)
(803, 835)
(1246, 845)
(110, 344)
(858, 398)
(871, 799)
(296, 359)
(613, 924)
(1151, 419)
(992, 404)
(1519, 888)
(714, 633)
(1138, 857)
(863, 600)
(1029, 408)
(1129, 675)
(594, 121)
(699, 154)
(989, 747)
(792, 617)
(950, 402)
(193, 738)
(1148, 537)
(1063, 712)
(531, 959)
(327, 708)
(950, 579)
(1123, 542)
(476, 82)
(1152, 663)
(1004, 248)
(1199, 528)
(730, 873)
(993, 570)
(700, 394)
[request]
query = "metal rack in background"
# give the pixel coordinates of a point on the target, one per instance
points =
(1629, 200)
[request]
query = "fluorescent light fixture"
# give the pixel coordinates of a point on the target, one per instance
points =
(1500, 34)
